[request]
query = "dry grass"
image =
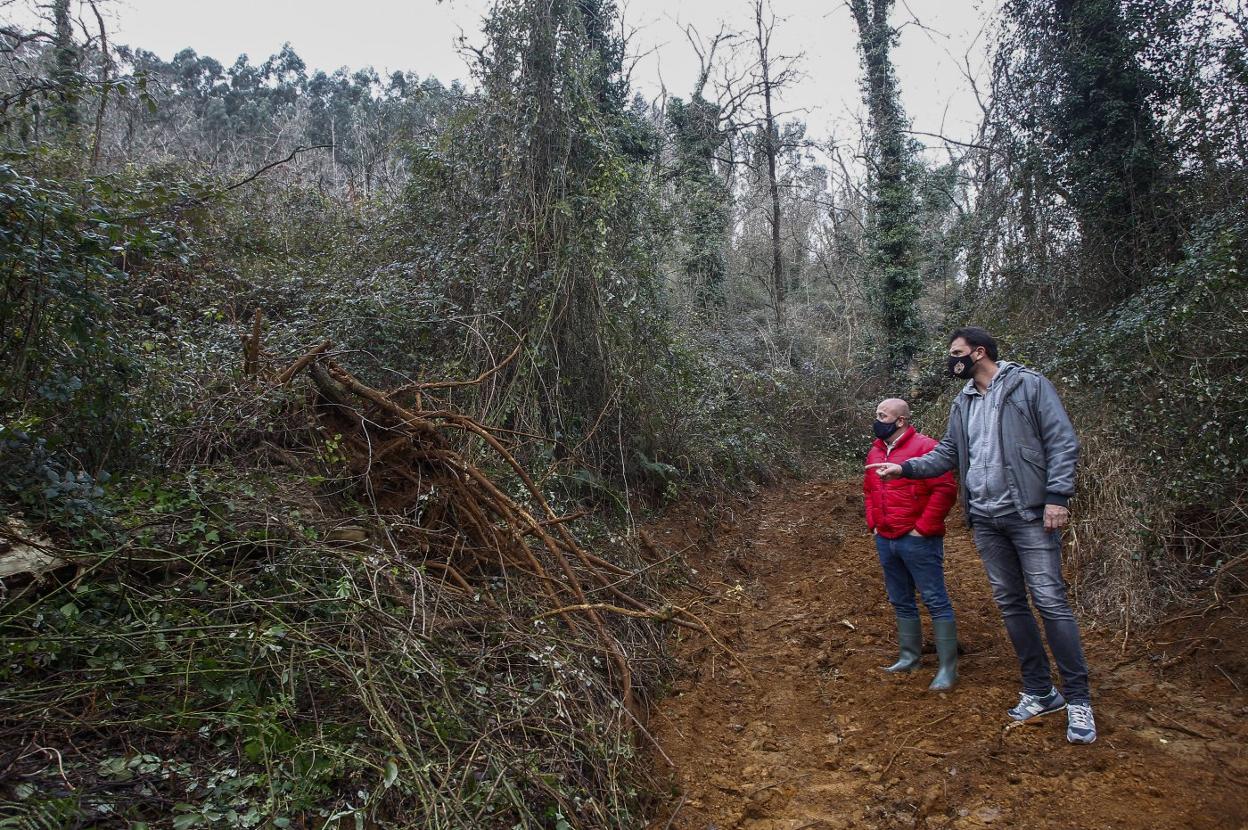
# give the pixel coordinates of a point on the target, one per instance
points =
(1133, 555)
(1108, 537)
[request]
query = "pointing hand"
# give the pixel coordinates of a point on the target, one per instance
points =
(885, 470)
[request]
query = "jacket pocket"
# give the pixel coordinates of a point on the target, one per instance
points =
(1033, 455)
(1031, 476)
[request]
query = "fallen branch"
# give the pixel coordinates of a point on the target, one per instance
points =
(288, 374)
(906, 737)
(20, 554)
(1176, 726)
(658, 615)
(648, 545)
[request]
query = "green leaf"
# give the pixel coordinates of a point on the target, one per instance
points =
(392, 772)
(187, 820)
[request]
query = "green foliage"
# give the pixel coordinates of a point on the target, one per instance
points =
(65, 368)
(261, 678)
(702, 198)
(1087, 115)
(534, 213)
(65, 71)
(717, 425)
(1170, 363)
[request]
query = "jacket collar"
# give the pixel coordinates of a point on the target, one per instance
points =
(1008, 376)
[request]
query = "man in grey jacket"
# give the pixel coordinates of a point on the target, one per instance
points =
(1015, 451)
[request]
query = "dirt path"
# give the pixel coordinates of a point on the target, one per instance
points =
(810, 735)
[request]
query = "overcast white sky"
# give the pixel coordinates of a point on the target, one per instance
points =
(420, 35)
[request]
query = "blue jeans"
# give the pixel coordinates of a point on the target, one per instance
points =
(1022, 557)
(911, 562)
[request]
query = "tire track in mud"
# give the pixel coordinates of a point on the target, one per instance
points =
(806, 733)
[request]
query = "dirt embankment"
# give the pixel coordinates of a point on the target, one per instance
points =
(806, 733)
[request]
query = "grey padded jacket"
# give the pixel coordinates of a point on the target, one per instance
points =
(1038, 444)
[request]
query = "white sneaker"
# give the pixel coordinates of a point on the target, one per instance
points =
(1033, 706)
(1080, 726)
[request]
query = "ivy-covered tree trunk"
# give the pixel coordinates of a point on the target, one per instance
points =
(892, 229)
(1073, 69)
(573, 64)
(65, 71)
(538, 196)
(702, 197)
(1115, 160)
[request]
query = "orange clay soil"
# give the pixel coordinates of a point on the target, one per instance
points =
(806, 733)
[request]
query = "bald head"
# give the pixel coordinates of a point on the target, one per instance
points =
(892, 417)
(891, 409)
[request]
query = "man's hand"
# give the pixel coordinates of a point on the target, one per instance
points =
(1056, 517)
(885, 470)
(915, 532)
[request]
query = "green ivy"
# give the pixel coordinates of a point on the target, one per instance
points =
(65, 370)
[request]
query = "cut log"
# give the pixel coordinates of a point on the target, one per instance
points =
(21, 552)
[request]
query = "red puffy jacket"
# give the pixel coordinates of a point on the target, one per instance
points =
(896, 507)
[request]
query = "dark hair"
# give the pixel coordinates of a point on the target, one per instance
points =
(976, 337)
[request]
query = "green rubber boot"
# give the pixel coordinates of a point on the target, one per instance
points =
(910, 639)
(945, 634)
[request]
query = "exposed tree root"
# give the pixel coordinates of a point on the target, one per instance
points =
(410, 459)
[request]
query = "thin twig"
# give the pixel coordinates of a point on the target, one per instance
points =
(293, 153)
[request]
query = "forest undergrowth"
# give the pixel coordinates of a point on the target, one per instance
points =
(335, 615)
(334, 405)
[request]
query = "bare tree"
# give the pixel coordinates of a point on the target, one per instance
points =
(763, 29)
(748, 98)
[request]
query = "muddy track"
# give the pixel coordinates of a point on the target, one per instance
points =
(807, 733)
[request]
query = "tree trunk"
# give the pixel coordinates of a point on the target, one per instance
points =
(771, 147)
(892, 228)
(65, 71)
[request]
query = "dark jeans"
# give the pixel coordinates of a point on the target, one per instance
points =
(912, 562)
(1020, 556)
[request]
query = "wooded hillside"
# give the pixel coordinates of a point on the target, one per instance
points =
(333, 406)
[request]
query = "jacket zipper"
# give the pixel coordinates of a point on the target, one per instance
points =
(966, 431)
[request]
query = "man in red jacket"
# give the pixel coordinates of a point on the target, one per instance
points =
(907, 517)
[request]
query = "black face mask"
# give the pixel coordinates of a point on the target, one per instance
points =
(960, 367)
(884, 431)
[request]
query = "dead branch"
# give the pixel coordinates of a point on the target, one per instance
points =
(293, 153)
(288, 374)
